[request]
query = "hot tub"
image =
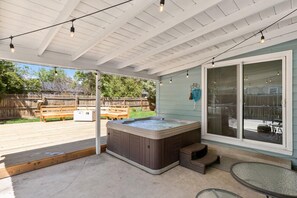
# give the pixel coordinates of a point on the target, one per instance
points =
(151, 144)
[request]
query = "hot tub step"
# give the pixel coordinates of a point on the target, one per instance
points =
(194, 151)
(201, 164)
(195, 157)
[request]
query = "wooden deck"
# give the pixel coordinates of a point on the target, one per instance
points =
(27, 142)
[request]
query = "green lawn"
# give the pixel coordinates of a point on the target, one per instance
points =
(141, 114)
(134, 113)
(19, 120)
(25, 120)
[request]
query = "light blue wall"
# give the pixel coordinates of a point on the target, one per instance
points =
(174, 101)
(174, 97)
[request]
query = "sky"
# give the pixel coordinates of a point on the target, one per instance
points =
(36, 68)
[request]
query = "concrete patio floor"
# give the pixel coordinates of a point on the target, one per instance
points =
(108, 177)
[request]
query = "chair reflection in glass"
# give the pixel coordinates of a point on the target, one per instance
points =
(277, 127)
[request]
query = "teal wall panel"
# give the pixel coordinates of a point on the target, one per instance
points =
(174, 102)
(174, 97)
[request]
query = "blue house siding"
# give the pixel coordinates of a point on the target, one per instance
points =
(174, 101)
(174, 97)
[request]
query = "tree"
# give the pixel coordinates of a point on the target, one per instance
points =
(87, 81)
(55, 80)
(13, 80)
(115, 86)
(150, 87)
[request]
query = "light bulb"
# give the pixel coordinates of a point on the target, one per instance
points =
(162, 3)
(262, 38)
(56, 72)
(161, 7)
(72, 30)
(12, 48)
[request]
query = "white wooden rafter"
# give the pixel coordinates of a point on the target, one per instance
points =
(217, 40)
(272, 38)
(28, 55)
(134, 10)
(199, 7)
(245, 12)
(64, 15)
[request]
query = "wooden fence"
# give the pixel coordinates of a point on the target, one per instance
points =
(26, 105)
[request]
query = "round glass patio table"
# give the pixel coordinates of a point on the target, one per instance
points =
(216, 193)
(268, 179)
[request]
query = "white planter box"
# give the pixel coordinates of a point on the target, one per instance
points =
(84, 115)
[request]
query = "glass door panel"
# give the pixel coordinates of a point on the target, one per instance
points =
(222, 101)
(262, 105)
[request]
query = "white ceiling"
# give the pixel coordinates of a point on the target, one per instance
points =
(135, 38)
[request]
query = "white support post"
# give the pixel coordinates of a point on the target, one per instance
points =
(158, 97)
(98, 114)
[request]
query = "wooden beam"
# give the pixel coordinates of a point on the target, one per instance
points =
(64, 15)
(272, 38)
(245, 12)
(134, 10)
(46, 162)
(217, 40)
(27, 55)
(198, 8)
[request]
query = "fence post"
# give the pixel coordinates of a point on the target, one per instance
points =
(76, 101)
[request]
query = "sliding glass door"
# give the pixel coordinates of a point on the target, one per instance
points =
(248, 102)
(222, 101)
(262, 102)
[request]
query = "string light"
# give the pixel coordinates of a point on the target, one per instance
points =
(72, 29)
(277, 74)
(170, 80)
(56, 72)
(262, 37)
(11, 45)
(162, 3)
(161, 83)
(187, 73)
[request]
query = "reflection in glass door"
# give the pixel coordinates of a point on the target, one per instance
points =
(262, 105)
(222, 101)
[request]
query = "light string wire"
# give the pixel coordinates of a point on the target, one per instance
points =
(64, 22)
(232, 47)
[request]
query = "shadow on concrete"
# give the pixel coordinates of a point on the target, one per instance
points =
(41, 153)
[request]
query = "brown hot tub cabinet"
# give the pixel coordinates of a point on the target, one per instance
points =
(152, 151)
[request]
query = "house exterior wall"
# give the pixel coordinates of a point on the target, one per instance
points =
(174, 98)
